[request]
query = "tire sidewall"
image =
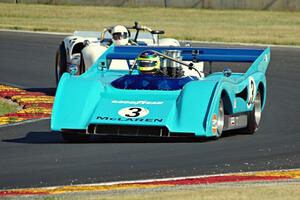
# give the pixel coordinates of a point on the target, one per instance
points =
(252, 123)
(60, 62)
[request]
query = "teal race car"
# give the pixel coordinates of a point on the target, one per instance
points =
(114, 98)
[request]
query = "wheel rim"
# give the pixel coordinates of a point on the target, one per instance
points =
(220, 121)
(257, 108)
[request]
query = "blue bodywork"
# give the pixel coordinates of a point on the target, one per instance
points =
(183, 105)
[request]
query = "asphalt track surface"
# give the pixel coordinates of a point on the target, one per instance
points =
(32, 156)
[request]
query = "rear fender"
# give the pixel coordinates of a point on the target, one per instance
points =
(263, 91)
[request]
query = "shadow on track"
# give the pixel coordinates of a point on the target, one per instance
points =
(54, 138)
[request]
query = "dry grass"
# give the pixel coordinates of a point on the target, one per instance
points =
(247, 192)
(192, 24)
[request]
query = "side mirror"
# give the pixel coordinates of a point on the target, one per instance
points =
(102, 66)
(227, 72)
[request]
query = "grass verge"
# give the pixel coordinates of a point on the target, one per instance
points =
(188, 24)
(244, 191)
(7, 107)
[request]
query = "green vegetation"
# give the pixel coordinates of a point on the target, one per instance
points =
(7, 107)
(189, 24)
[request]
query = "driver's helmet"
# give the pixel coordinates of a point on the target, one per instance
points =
(120, 35)
(148, 63)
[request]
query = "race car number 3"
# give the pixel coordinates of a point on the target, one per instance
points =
(251, 91)
(133, 112)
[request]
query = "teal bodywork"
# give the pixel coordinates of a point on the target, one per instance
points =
(91, 99)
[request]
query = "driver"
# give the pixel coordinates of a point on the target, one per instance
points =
(148, 63)
(120, 35)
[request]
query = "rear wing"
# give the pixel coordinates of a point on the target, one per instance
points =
(258, 57)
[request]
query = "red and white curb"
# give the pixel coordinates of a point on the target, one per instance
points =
(264, 176)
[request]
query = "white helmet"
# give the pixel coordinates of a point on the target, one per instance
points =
(120, 35)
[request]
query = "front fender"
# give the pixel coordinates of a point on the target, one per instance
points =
(74, 102)
(193, 106)
(71, 41)
(91, 53)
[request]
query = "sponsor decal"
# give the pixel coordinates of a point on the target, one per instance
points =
(127, 119)
(137, 102)
(251, 92)
(214, 124)
(232, 121)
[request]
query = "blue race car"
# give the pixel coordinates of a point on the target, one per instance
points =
(115, 97)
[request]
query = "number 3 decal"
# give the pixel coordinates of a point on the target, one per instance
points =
(251, 91)
(133, 112)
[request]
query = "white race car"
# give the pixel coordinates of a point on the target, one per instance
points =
(79, 51)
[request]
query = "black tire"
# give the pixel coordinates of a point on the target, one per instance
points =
(220, 120)
(254, 116)
(75, 137)
(82, 65)
(60, 62)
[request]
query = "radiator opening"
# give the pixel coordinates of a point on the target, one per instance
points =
(125, 130)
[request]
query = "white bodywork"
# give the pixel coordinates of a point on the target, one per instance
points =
(199, 66)
(91, 53)
(94, 49)
(74, 44)
(88, 44)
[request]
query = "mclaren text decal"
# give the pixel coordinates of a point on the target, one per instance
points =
(128, 119)
(133, 114)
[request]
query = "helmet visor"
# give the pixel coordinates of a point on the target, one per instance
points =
(146, 63)
(119, 36)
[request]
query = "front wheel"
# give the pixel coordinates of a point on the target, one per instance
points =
(60, 62)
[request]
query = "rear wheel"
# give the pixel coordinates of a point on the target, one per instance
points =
(220, 120)
(60, 62)
(82, 64)
(254, 116)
